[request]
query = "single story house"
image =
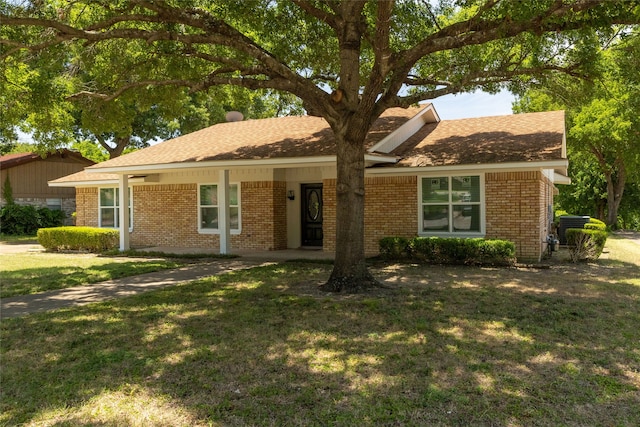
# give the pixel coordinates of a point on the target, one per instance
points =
(28, 175)
(269, 184)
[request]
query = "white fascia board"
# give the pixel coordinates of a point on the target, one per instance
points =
(291, 162)
(408, 129)
(372, 159)
(96, 183)
(561, 179)
(491, 167)
(83, 183)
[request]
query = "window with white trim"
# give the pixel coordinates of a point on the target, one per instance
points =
(451, 204)
(54, 204)
(208, 208)
(109, 208)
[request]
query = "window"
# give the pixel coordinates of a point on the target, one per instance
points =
(54, 204)
(208, 207)
(110, 209)
(451, 204)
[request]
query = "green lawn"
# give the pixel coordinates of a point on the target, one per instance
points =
(33, 272)
(445, 346)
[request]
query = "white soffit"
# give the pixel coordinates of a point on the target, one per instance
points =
(404, 132)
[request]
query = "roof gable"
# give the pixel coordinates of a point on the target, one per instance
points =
(525, 137)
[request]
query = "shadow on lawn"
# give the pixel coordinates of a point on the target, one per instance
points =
(449, 346)
(33, 280)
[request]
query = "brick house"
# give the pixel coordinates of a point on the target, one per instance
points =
(270, 184)
(29, 173)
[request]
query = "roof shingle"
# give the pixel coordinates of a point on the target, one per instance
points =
(497, 139)
(281, 137)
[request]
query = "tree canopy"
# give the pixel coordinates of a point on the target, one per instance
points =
(347, 61)
(603, 124)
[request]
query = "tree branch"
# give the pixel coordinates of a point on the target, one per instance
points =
(318, 13)
(474, 31)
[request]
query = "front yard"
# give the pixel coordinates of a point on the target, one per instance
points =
(443, 346)
(33, 272)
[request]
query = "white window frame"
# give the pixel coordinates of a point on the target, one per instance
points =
(115, 207)
(451, 204)
(54, 204)
(234, 231)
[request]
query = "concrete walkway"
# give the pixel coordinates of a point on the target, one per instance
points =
(127, 286)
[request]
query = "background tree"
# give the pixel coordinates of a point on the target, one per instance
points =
(603, 127)
(41, 99)
(347, 61)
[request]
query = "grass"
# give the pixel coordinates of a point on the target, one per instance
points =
(446, 346)
(33, 272)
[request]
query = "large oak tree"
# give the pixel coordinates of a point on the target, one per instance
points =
(347, 61)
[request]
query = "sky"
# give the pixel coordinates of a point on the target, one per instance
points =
(477, 104)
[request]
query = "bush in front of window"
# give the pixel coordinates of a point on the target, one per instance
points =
(449, 250)
(89, 239)
(26, 220)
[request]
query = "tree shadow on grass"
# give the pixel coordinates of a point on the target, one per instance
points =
(34, 280)
(449, 346)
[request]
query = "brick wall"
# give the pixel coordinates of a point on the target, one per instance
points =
(329, 214)
(390, 210)
(520, 216)
(264, 216)
(167, 215)
(87, 207)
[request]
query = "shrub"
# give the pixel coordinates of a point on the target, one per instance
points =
(17, 219)
(595, 224)
(394, 247)
(439, 250)
(78, 238)
(585, 244)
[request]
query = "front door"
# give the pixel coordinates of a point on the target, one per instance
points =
(311, 215)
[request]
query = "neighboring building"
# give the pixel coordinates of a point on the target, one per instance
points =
(484, 177)
(29, 173)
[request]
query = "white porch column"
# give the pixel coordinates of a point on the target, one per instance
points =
(123, 203)
(224, 218)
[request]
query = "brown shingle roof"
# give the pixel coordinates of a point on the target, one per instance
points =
(281, 137)
(11, 160)
(499, 139)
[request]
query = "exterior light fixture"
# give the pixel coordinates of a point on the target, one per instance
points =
(291, 195)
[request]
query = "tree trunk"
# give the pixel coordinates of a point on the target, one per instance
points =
(350, 272)
(121, 144)
(615, 190)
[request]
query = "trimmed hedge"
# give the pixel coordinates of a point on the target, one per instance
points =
(78, 238)
(585, 244)
(445, 250)
(595, 224)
